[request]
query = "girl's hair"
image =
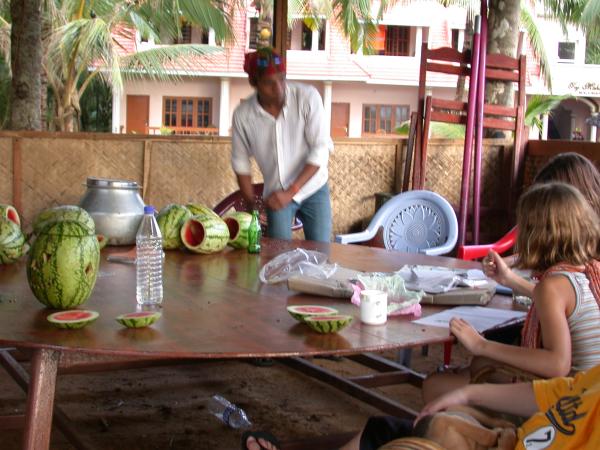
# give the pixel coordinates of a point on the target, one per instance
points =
(576, 170)
(556, 225)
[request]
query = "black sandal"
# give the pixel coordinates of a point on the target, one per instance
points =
(260, 435)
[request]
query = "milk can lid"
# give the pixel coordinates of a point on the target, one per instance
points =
(111, 183)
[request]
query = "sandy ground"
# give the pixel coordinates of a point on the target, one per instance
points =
(164, 407)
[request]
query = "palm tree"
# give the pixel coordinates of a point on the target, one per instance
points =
(84, 43)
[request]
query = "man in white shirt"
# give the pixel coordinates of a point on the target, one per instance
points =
(282, 126)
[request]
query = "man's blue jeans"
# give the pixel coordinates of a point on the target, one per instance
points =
(314, 212)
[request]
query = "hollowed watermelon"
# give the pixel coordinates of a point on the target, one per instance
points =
(329, 323)
(10, 212)
(70, 213)
(76, 318)
(12, 241)
(238, 224)
(170, 219)
(138, 319)
(63, 265)
(302, 312)
(204, 234)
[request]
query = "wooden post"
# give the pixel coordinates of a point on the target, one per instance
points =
(280, 12)
(17, 174)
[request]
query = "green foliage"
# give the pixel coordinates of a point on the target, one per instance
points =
(592, 51)
(96, 107)
(4, 92)
(539, 105)
(438, 130)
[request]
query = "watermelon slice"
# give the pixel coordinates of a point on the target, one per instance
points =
(302, 312)
(328, 324)
(71, 319)
(138, 319)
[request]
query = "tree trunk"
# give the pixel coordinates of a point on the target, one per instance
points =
(26, 64)
(503, 37)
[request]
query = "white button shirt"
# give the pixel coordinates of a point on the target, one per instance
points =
(282, 146)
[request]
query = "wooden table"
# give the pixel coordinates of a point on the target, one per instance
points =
(214, 307)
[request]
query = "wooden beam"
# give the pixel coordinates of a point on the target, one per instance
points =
(280, 13)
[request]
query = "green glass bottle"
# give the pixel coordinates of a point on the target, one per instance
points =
(254, 234)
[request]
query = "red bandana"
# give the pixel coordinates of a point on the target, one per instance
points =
(262, 62)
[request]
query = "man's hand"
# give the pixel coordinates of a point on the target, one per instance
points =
(279, 200)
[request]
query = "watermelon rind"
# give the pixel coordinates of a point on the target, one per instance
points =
(198, 209)
(204, 234)
(138, 319)
(170, 219)
(302, 312)
(12, 241)
(82, 317)
(239, 221)
(69, 213)
(63, 265)
(10, 212)
(328, 323)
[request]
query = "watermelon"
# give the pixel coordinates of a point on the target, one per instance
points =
(12, 241)
(238, 224)
(201, 210)
(170, 219)
(138, 319)
(329, 323)
(75, 318)
(302, 312)
(69, 213)
(9, 212)
(63, 265)
(205, 234)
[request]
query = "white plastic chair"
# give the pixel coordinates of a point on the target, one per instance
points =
(413, 222)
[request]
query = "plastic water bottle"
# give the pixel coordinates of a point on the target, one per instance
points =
(254, 234)
(149, 260)
(227, 412)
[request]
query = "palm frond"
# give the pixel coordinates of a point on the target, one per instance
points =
(529, 22)
(590, 18)
(539, 105)
(168, 62)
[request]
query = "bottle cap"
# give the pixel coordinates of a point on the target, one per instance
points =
(148, 209)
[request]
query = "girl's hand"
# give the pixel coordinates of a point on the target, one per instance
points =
(496, 268)
(467, 335)
(452, 398)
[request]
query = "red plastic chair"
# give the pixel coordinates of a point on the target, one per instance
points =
(470, 252)
(236, 201)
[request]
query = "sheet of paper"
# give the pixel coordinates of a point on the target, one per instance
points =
(435, 280)
(481, 318)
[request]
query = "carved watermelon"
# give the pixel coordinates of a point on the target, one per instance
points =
(138, 319)
(200, 210)
(10, 212)
(170, 219)
(238, 224)
(302, 312)
(63, 265)
(76, 318)
(12, 241)
(69, 213)
(205, 234)
(328, 324)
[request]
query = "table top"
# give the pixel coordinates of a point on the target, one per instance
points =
(216, 307)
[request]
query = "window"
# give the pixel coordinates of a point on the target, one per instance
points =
(300, 36)
(455, 38)
(187, 112)
(253, 33)
(384, 118)
(566, 50)
(397, 41)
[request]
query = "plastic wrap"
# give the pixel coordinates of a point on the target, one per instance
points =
(400, 299)
(299, 261)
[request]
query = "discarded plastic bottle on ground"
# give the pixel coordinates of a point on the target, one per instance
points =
(254, 234)
(149, 261)
(227, 412)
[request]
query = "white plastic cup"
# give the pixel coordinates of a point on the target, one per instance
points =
(373, 307)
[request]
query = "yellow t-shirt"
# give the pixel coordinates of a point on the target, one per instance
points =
(569, 416)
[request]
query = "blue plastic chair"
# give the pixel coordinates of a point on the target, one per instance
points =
(414, 222)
